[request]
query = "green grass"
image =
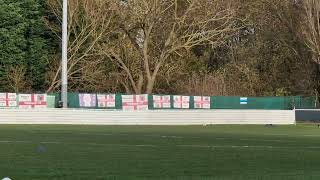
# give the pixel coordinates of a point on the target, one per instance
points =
(160, 152)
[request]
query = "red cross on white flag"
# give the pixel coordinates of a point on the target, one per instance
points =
(32, 100)
(181, 102)
(135, 102)
(8, 99)
(202, 102)
(162, 101)
(106, 100)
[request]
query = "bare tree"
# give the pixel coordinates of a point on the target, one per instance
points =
(16, 79)
(151, 32)
(311, 27)
(88, 23)
(207, 84)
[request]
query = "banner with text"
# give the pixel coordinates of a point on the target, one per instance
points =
(32, 101)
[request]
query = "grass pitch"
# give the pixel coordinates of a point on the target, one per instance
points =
(160, 152)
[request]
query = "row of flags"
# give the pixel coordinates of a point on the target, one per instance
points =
(141, 102)
(23, 100)
(128, 102)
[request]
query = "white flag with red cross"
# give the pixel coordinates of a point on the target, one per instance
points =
(8, 99)
(106, 100)
(135, 102)
(181, 102)
(161, 101)
(202, 102)
(32, 101)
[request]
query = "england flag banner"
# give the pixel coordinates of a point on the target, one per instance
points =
(8, 99)
(202, 102)
(32, 101)
(106, 100)
(162, 101)
(181, 102)
(87, 100)
(135, 102)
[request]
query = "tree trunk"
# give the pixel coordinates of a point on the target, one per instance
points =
(150, 85)
(318, 86)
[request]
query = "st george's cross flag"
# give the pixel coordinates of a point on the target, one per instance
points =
(202, 102)
(135, 102)
(106, 100)
(87, 100)
(32, 101)
(161, 101)
(181, 102)
(8, 99)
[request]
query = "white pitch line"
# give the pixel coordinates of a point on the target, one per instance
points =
(46, 142)
(96, 134)
(185, 137)
(267, 140)
(248, 146)
(7, 141)
(161, 146)
(306, 135)
(191, 137)
(275, 134)
(159, 136)
(144, 145)
(194, 146)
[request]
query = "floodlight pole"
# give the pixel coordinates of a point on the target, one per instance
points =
(64, 62)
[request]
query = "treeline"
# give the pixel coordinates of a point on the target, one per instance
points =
(198, 47)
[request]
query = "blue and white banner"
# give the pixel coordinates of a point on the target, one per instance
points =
(243, 100)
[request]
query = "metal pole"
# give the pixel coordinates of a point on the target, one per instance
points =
(64, 63)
